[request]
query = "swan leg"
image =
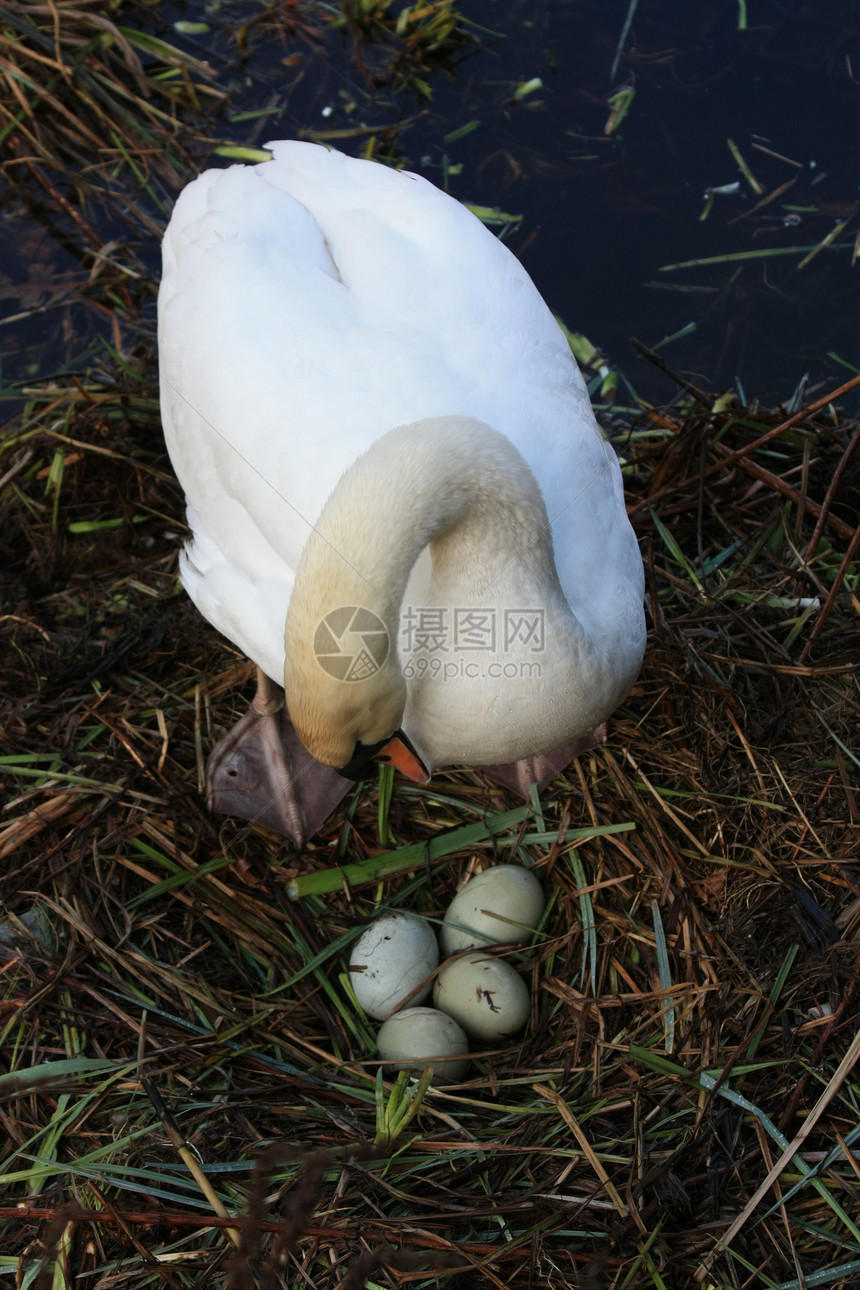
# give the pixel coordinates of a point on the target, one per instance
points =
(519, 776)
(260, 772)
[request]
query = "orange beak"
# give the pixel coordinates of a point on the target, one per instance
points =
(399, 753)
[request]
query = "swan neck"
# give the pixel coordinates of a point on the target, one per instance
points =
(451, 483)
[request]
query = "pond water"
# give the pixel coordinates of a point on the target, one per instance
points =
(518, 122)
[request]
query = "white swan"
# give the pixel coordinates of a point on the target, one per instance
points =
(354, 373)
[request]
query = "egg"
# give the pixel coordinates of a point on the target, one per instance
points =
(390, 958)
(410, 1038)
(484, 994)
(500, 905)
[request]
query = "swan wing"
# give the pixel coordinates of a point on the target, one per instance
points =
(312, 303)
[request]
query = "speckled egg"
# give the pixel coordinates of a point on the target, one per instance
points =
(390, 958)
(500, 905)
(484, 994)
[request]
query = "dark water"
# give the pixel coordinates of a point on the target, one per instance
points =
(601, 215)
(607, 226)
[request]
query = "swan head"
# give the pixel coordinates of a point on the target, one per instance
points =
(346, 694)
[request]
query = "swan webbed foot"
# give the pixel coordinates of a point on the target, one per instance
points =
(518, 776)
(259, 771)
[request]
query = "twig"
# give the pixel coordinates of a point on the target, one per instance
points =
(827, 607)
(834, 1084)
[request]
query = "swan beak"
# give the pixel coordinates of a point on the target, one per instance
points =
(399, 753)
